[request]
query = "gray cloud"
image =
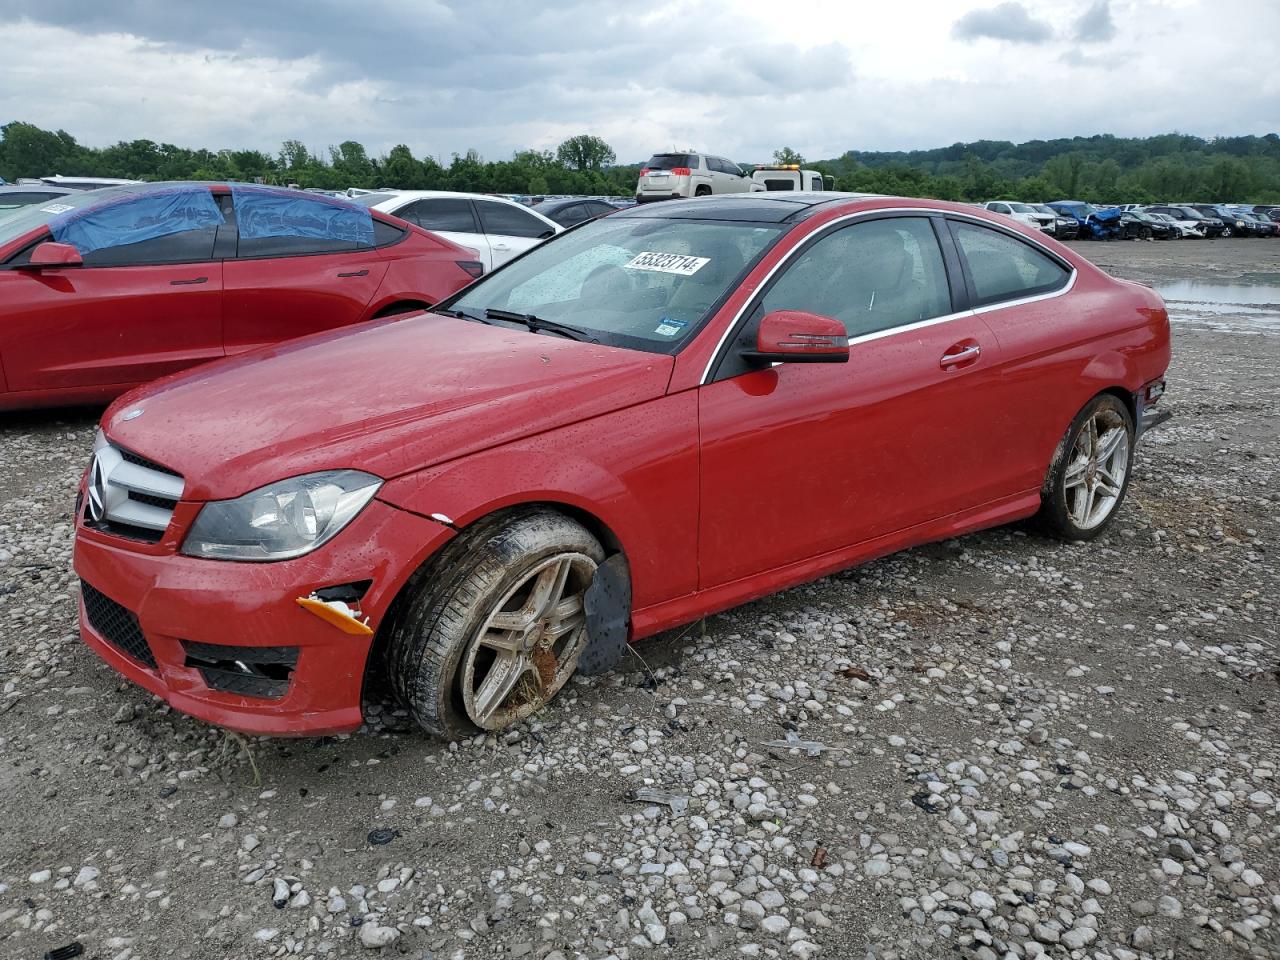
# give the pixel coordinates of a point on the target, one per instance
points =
(443, 76)
(1095, 24)
(1006, 21)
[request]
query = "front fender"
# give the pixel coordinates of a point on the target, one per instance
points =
(632, 472)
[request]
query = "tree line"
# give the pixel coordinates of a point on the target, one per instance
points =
(1101, 168)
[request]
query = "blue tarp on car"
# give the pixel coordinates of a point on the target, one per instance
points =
(262, 212)
(135, 217)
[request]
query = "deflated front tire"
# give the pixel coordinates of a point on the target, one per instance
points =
(493, 628)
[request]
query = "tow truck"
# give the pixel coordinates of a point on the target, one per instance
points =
(790, 176)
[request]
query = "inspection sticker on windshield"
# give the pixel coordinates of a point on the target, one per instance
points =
(56, 208)
(676, 263)
(670, 326)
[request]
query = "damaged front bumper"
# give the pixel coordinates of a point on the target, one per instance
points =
(229, 643)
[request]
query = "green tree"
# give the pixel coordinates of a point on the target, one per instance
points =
(28, 151)
(787, 156)
(585, 152)
(400, 169)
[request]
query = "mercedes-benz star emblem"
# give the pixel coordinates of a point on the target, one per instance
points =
(97, 490)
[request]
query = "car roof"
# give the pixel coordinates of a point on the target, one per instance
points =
(555, 203)
(35, 188)
(760, 207)
(399, 196)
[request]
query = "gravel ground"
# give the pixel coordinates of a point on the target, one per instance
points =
(1030, 748)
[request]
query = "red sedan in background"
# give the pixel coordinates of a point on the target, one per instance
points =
(103, 290)
(650, 418)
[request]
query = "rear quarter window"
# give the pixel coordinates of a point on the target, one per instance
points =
(1002, 267)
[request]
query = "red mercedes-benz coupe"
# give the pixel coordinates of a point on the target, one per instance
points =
(652, 417)
(103, 290)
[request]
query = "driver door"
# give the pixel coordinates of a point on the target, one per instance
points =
(135, 310)
(798, 459)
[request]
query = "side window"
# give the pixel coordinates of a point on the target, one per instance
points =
(441, 213)
(871, 276)
(574, 214)
(815, 183)
(165, 226)
(273, 223)
(508, 221)
(385, 234)
(1003, 267)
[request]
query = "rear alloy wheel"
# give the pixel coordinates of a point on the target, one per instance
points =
(493, 628)
(1227, 233)
(1090, 475)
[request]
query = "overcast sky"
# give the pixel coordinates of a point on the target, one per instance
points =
(740, 78)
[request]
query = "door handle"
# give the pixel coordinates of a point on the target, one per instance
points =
(187, 283)
(957, 357)
(355, 273)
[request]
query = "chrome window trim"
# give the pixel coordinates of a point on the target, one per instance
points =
(876, 335)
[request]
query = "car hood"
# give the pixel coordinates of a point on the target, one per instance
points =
(389, 397)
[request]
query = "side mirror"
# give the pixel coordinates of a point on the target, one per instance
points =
(50, 254)
(794, 336)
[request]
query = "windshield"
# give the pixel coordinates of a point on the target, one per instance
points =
(634, 282)
(1189, 214)
(14, 223)
(1022, 208)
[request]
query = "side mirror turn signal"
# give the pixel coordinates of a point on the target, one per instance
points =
(794, 336)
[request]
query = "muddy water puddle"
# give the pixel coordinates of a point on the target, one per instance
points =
(1251, 303)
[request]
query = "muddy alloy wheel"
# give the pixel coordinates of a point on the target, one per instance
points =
(529, 644)
(1227, 233)
(493, 627)
(1090, 475)
(1097, 470)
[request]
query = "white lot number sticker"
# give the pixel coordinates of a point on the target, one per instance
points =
(56, 208)
(676, 263)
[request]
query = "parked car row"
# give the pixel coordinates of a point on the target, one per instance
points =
(1069, 219)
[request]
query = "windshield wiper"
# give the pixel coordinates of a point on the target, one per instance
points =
(537, 323)
(460, 314)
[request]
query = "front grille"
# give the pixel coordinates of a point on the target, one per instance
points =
(130, 496)
(117, 625)
(132, 457)
(249, 671)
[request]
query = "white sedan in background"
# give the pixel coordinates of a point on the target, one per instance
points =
(1024, 213)
(496, 228)
(1189, 228)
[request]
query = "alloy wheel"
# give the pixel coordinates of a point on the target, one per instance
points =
(1095, 475)
(529, 644)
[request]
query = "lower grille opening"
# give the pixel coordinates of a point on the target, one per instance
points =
(116, 624)
(126, 530)
(248, 671)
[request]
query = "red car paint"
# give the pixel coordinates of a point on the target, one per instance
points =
(718, 493)
(85, 334)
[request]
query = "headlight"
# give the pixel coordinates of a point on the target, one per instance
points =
(281, 520)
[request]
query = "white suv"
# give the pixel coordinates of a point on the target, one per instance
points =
(670, 176)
